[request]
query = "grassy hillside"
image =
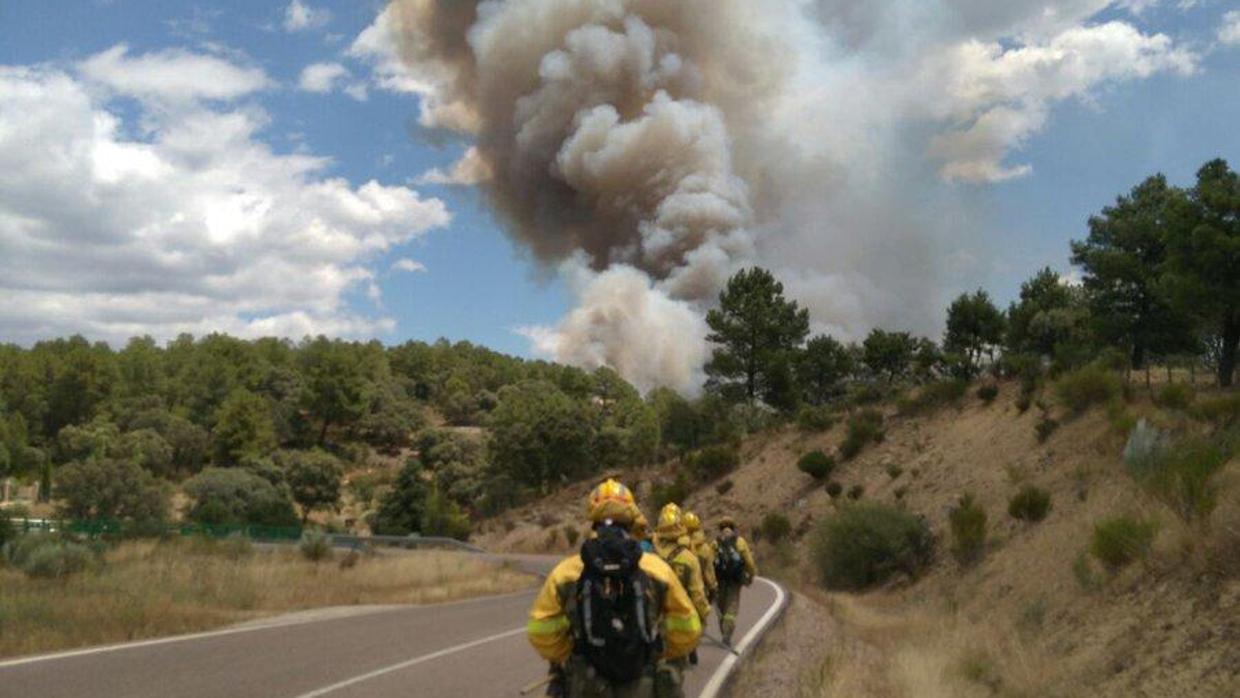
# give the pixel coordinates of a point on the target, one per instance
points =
(1038, 615)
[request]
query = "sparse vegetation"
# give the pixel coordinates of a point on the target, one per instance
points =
(816, 464)
(864, 427)
(49, 556)
(1121, 540)
(866, 544)
(663, 493)
(834, 489)
(1222, 410)
(1182, 474)
(856, 492)
(1031, 504)
(315, 546)
(894, 471)
(815, 419)
(571, 534)
(713, 462)
(968, 527)
(1176, 396)
(1045, 428)
(724, 487)
(148, 589)
(934, 396)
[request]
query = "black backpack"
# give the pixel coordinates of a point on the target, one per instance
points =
(615, 628)
(729, 564)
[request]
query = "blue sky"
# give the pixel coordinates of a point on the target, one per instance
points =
(477, 284)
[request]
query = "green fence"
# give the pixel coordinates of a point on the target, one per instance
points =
(95, 528)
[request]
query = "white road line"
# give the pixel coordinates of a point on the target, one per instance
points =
(410, 662)
(725, 667)
(248, 628)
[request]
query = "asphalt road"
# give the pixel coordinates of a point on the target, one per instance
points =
(472, 648)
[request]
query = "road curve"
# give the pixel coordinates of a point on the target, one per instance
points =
(471, 648)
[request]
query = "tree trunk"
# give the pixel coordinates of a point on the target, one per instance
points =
(323, 431)
(1149, 385)
(1138, 355)
(1227, 359)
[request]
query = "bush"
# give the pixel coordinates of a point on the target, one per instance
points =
(444, 518)
(1030, 504)
(834, 489)
(313, 478)
(8, 531)
(1120, 540)
(864, 427)
(865, 544)
(987, 393)
(894, 471)
(1045, 427)
(856, 492)
(713, 462)
(236, 546)
(1182, 474)
(1176, 396)
(663, 493)
(775, 527)
(1024, 402)
(934, 396)
(724, 487)
(237, 496)
(49, 556)
(968, 526)
(816, 464)
(1086, 387)
(315, 546)
(815, 419)
(571, 534)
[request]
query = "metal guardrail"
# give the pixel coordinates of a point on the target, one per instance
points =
(95, 528)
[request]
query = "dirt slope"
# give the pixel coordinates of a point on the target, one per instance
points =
(1021, 623)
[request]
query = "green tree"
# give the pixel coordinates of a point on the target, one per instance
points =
(243, 427)
(146, 448)
(402, 510)
(541, 436)
(337, 383)
(822, 369)
(111, 488)
(974, 326)
(757, 332)
(1123, 260)
(1204, 259)
(1050, 319)
(888, 353)
(313, 478)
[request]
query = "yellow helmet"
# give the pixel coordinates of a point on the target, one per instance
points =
(641, 527)
(692, 522)
(671, 522)
(611, 501)
(726, 522)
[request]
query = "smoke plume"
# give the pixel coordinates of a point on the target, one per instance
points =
(648, 149)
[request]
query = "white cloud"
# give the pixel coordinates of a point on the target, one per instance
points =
(299, 16)
(469, 170)
(1229, 28)
(1003, 95)
(198, 226)
(322, 77)
(172, 75)
(408, 265)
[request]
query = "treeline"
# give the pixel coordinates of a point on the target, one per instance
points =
(1160, 281)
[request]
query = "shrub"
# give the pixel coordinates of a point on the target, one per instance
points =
(571, 534)
(934, 396)
(1030, 504)
(1045, 427)
(313, 478)
(1024, 402)
(238, 496)
(816, 464)
(8, 531)
(864, 427)
(894, 471)
(236, 546)
(713, 462)
(968, 526)
(315, 546)
(1182, 475)
(1086, 387)
(834, 489)
(856, 491)
(900, 492)
(775, 527)
(865, 544)
(443, 517)
(1222, 410)
(1120, 540)
(987, 393)
(814, 419)
(1176, 396)
(1084, 573)
(48, 556)
(724, 487)
(663, 493)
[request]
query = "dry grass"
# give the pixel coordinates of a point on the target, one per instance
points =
(147, 589)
